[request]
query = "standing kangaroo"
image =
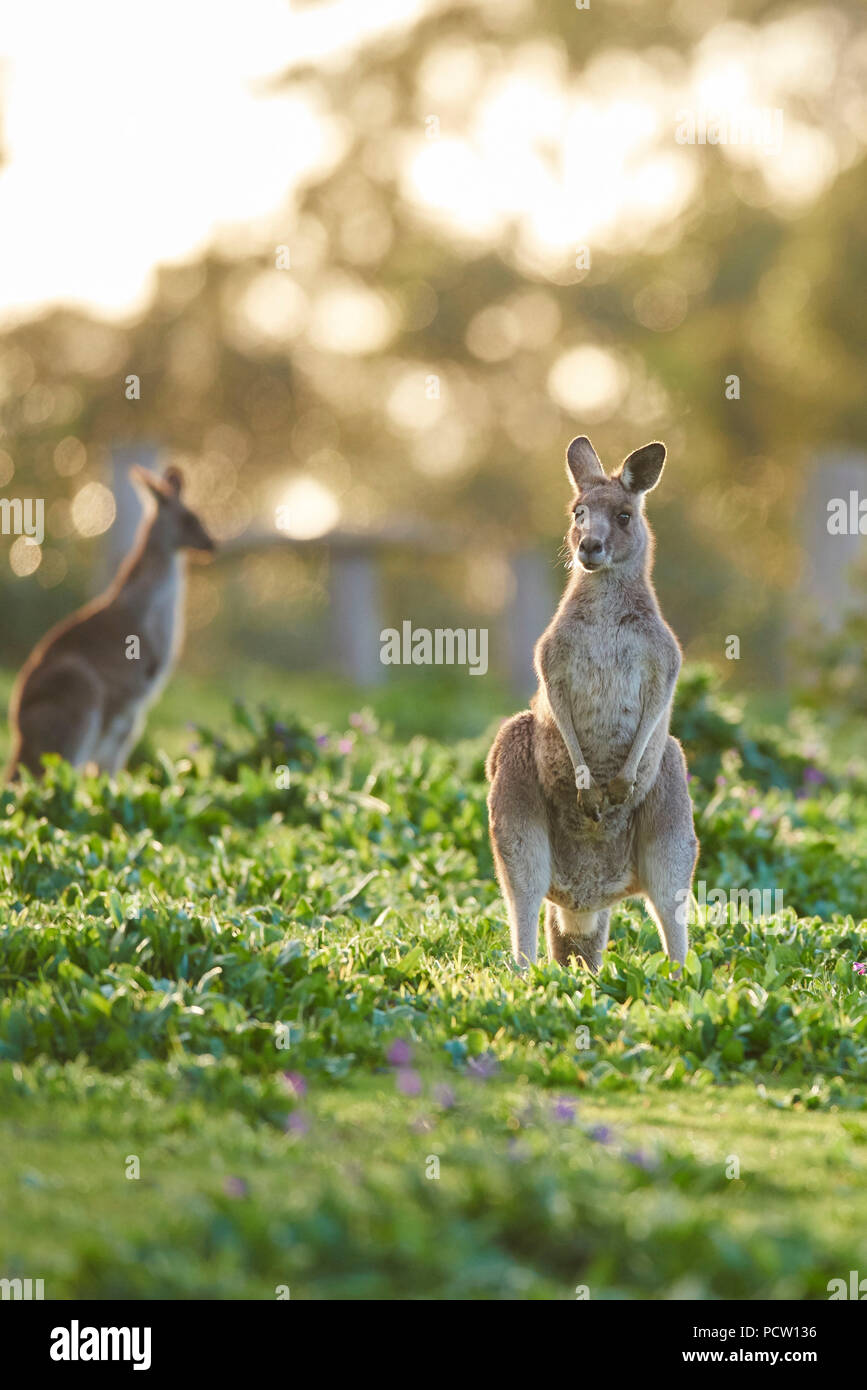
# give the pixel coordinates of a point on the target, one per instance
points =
(607, 667)
(84, 690)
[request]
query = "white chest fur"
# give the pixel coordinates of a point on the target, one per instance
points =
(161, 619)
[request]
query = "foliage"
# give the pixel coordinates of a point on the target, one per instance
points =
(833, 662)
(711, 727)
(286, 999)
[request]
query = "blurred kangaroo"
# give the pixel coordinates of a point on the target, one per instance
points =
(84, 690)
(607, 666)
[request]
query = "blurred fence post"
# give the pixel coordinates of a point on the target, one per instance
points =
(356, 617)
(355, 560)
(530, 614)
(826, 584)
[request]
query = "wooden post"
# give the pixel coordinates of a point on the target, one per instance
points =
(827, 591)
(356, 617)
(531, 611)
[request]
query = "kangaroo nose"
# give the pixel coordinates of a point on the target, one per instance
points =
(590, 547)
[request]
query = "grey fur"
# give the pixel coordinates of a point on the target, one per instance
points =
(77, 694)
(589, 801)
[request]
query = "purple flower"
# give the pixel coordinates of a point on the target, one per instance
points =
(812, 774)
(641, 1160)
(482, 1067)
(362, 723)
(345, 745)
(400, 1053)
(408, 1081)
(720, 781)
(860, 968)
(564, 1110)
(294, 1082)
(756, 813)
(444, 1096)
(600, 1134)
(296, 1123)
(322, 740)
(235, 1187)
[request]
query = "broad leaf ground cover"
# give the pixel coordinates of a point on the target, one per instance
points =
(259, 1032)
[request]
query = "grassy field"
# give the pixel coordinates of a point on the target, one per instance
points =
(260, 1031)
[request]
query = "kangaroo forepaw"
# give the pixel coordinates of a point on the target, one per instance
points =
(620, 789)
(591, 801)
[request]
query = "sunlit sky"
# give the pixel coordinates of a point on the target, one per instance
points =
(134, 137)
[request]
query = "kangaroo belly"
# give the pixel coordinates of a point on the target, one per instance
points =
(591, 866)
(605, 750)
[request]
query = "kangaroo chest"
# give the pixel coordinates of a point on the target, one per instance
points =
(162, 620)
(605, 671)
(155, 621)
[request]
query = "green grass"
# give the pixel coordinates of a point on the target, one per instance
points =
(526, 1204)
(289, 1001)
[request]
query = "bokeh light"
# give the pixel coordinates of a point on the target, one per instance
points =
(93, 510)
(306, 510)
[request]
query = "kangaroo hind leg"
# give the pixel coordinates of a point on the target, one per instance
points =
(667, 850)
(60, 711)
(581, 934)
(519, 835)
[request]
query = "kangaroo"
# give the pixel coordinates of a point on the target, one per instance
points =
(84, 690)
(589, 801)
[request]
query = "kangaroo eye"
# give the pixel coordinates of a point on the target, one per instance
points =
(624, 518)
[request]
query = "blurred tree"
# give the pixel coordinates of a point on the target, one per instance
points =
(410, 340)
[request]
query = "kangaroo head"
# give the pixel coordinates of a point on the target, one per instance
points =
(176, 526)
(608, 530)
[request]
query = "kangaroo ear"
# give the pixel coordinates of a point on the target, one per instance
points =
(174, 479)
(582, 462)
(145, 479)
(643, 469)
